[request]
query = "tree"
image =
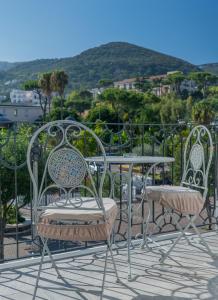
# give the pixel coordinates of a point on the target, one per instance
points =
(150, 110)
(13, 169)
(127, 104)
(58, 112)
(202, 112)
(175, 79)
(34, 85)
(171, 109)
(189, 105)
(46, 87)
(79, 101)
(212, 91)
(203, 80)
(30, 85)
(105, 83)
(103, 112)
(142, 84)
(59, 80)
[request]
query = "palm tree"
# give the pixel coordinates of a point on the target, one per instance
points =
(46, 87)
(202, 112)
(59, 80)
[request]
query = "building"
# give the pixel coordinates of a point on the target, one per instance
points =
(130, 84)
(127, 84)
(21, 112)
(159, 85)
(24, 97)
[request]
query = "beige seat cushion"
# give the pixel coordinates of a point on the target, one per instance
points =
(88, 225)
(181, 199)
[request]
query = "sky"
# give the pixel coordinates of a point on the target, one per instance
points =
(33, 29)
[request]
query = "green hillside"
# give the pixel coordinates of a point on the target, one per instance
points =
(5, 66)
(212, 68)
(116, 61)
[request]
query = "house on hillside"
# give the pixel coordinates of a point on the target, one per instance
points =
(127, 84)
(159, 84)
(131, 84)
(24, 97)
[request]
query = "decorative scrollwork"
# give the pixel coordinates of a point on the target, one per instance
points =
(197, 156)
(66, 167)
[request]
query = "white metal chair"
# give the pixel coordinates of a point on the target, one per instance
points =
(76, 210)
(189, 198)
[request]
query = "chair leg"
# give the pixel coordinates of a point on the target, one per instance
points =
(147, 239)
(145, 228)
(104, 275)
(181, 229)
(51, 258)
(165, 255)
(113, 260)
(39, 271)
(191, 219)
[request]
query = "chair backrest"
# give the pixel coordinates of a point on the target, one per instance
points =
(198, 154)
(58, 169)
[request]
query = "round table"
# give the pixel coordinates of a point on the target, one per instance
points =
(131, 160)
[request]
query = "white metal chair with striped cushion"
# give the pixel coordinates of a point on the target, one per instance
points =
(188, 199)
(76, 211)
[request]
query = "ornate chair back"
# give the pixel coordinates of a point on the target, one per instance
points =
(198, 154)
(58, 169)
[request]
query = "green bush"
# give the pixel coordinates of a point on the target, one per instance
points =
(11, 216)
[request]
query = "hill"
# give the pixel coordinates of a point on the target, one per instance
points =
(115, 60)
(212, 68)
(4, 65)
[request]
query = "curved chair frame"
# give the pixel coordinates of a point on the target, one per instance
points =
(196, 165)
(67, 168)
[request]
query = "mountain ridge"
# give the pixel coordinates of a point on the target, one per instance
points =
(210, 67)
(114, 60)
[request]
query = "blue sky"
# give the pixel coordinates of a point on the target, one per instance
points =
(31, 29)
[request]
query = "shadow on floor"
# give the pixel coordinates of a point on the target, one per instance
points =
(213, 287)
(145, 297)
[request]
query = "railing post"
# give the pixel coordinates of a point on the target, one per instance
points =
(35, 159)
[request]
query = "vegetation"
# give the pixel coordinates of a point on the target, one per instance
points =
(113, 61)
(116, 105)
(13, 153)
(211, 68)
(101, 66)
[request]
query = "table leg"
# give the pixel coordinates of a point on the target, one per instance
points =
(149, 215)
(129, 228)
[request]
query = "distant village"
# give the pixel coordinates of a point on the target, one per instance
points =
(25, 105)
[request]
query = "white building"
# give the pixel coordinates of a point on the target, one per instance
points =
(24, 97)
(161, 88)
(127, 84)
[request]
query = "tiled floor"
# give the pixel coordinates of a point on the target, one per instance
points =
(190, 274)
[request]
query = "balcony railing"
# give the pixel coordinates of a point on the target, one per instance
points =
(17, 240)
